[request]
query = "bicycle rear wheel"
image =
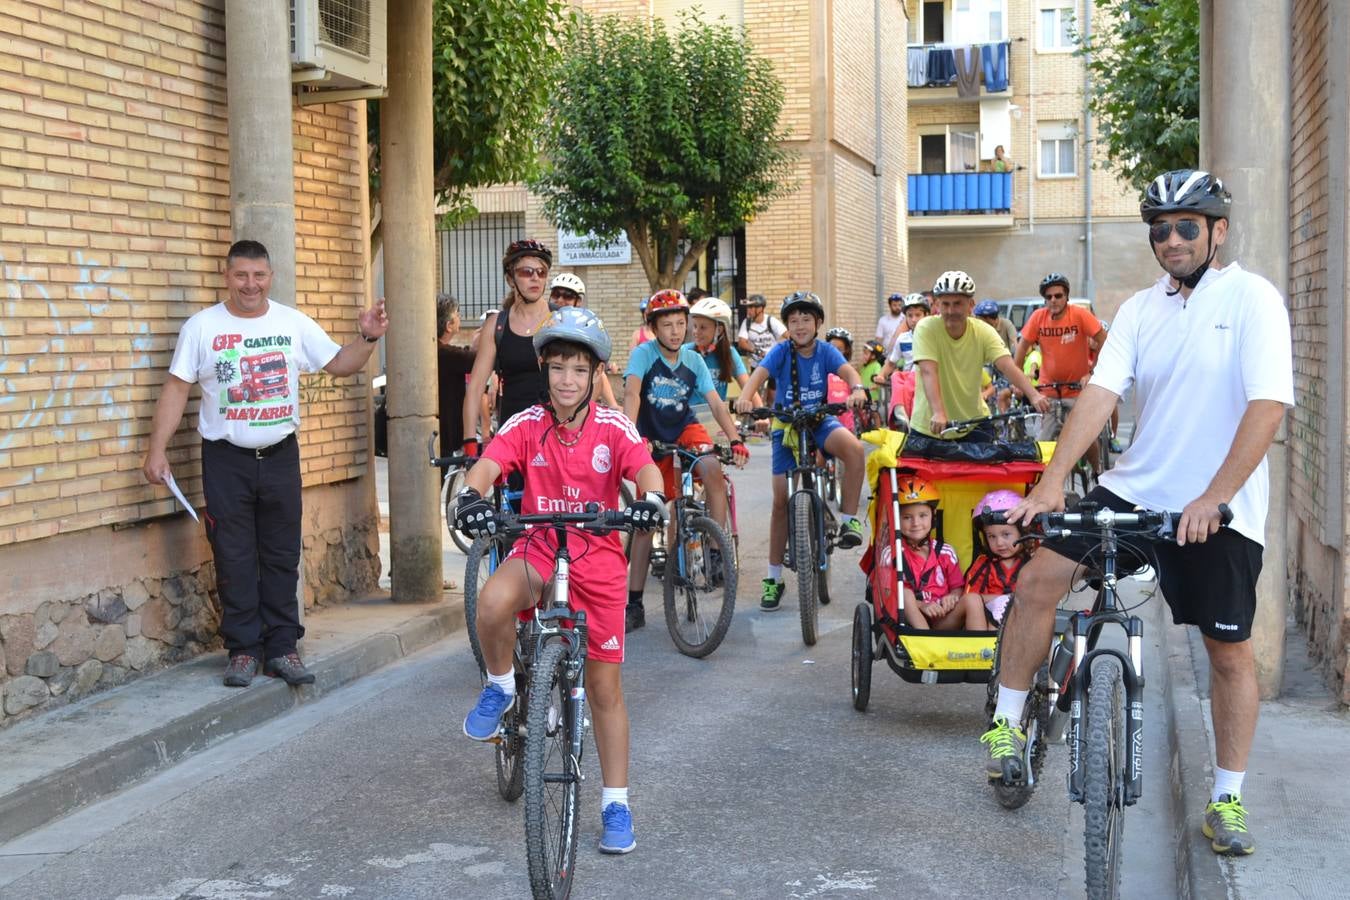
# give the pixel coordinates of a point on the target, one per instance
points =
(1104, 778)
(481, 563)
(805, 551)
(511, 744)
(1035, 724)
(552, 777)
(462, 540)
(700, 587)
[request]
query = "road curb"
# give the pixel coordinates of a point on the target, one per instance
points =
(1199, 873)
(61, 792)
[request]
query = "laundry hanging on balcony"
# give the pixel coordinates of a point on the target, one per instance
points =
(942, 65)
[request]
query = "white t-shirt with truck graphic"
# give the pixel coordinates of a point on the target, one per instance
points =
(249, 370)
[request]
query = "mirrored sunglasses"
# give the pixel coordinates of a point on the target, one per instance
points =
(1189, 229)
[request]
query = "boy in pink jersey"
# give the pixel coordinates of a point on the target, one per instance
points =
(571, 452)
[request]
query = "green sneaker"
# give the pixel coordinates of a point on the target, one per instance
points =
(1005, 741)
(771, 592)
(1226, 827)
(850, 534)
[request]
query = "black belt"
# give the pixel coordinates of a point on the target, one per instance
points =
(257, 452)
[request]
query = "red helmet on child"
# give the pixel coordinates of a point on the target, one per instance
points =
(913, 489)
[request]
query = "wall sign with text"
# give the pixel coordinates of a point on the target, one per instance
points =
(585, 250)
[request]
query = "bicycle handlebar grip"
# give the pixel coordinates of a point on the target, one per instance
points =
(1225, 514)
(994, 517)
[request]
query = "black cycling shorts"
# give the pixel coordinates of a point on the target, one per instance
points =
(1210, 585)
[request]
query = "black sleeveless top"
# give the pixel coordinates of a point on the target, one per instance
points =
(522, 383)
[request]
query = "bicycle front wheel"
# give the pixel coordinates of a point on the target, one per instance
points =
(805, 551)
(700, 587)
(462, 540)
(552, 777)
(1104, 778)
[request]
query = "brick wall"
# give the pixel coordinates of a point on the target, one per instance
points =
(114, 221)
(113, 181)
(1318, 574)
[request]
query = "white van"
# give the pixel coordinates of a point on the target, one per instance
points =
(1019, 309)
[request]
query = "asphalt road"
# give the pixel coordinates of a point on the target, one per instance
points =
(752, 776)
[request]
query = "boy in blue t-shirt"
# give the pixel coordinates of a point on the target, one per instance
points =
(662, 379)
(813, 360)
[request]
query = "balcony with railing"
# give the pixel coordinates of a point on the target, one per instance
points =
(961, 200)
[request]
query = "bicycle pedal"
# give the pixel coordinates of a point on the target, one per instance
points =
(1012, 772)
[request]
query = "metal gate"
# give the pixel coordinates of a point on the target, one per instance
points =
(471, 261)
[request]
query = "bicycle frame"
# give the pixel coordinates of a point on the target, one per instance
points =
(688, 502)
(549, 625)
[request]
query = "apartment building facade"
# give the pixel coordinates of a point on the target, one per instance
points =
(840, 232)
(1008, 225)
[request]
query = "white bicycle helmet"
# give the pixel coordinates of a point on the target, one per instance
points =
(568, 281)
(715, 309)
(954, 282)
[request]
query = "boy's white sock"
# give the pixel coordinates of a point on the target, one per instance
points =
(775, 572)
(1010, 705)
(506, 682)
(1226, 782)
(610, 795)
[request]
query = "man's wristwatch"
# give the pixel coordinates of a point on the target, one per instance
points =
(859, 387)
(369, 340)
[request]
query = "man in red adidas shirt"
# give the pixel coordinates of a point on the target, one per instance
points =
(571, 453)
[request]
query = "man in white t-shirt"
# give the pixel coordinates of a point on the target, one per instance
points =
(247, 353)
(1207, 414)
(888, 326)
(759, 332)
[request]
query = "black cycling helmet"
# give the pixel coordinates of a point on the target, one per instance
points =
(1186, 190)
(1193, 191)
(803, 300)
(1055, 278)
(523, 248)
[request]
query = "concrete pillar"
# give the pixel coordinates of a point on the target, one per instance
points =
(262, 179)
(1245, 140)
(262, 165)
(407, 197)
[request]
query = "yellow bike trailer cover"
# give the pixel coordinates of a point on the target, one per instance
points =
(941, 651)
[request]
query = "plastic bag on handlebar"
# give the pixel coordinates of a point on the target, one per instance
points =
(925, 447)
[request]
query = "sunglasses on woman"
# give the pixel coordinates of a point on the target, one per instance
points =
(1189, 229)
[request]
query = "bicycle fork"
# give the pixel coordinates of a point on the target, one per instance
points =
(1131, 663)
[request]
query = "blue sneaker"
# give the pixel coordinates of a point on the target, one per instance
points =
(618, 836)
(485, 719)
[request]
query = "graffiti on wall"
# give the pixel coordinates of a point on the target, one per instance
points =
(95, 295)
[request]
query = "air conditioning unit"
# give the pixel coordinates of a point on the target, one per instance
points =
(339, 45)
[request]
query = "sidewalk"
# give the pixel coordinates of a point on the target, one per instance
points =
(1298, 803)
(59, 761)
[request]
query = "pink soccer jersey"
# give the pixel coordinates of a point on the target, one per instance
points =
(565, 479)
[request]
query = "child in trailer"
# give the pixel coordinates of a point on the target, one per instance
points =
(932, 575)
(992, 577)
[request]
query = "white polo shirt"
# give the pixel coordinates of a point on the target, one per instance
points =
(1195, 364)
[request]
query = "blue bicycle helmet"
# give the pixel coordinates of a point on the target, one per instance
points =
(986, 308)
(576, 324)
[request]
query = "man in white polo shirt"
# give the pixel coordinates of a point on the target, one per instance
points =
(247, 353)
(1206, 416)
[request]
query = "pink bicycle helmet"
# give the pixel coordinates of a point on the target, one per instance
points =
(1000, 500)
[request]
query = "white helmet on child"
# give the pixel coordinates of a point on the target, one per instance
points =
(713, 308)
(568, 281)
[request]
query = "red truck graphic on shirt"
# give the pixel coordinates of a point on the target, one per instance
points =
(262, 377)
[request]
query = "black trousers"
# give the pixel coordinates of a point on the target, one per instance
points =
(253, 522)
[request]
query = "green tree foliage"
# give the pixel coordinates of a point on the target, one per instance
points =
(1145, 64)
(669, 137)
(492, 65)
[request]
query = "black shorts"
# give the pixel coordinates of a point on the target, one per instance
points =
(1210, 585)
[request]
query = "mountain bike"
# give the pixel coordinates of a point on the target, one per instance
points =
(1094, 693)
(701, 561)
(541, 741)
(812, 526)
